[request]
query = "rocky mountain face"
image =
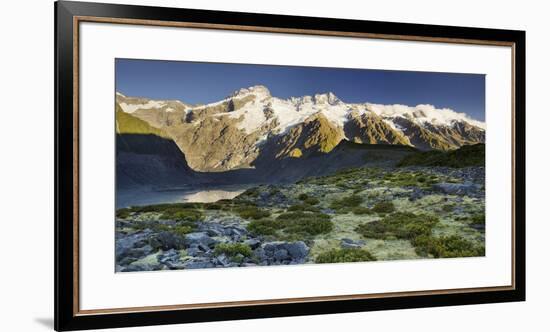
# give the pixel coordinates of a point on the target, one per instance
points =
(147, 156)
(251, 129)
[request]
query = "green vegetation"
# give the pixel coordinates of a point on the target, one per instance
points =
(400, 225)
(307, 199)
(293, 225)
(312, 201)
(303, 196)
(446, 247)
(383, 207)
(123, 213)
(233, 250)
(408, 179)
(264, 227)
(448, 208)
(183, 229)
(465, 156)
(372, 203)
(303, 207)
(182, 214)
(344, 205)
(478, 219)
(359, 210)
(252, 212)
(152, 225)
(345, 256)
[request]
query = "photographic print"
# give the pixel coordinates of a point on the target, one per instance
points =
(224, 165)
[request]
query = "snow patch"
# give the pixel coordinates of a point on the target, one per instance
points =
(131, 108)
(423, 113)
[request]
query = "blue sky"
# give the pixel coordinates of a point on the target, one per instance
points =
(201, 83)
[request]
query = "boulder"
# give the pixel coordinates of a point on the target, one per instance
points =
(297, 250)
(169, 258)
(253, 243)
(280, 254)
(139, 252)
(199, 238)
(124, 243)
(192, 264)
(167, 241)
(456, 188)
(283, 251)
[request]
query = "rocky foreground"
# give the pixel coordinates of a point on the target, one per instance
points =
(360, 214)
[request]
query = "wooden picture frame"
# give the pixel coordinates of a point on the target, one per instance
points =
(69, 16)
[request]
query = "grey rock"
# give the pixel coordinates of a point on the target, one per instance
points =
(170, 258)
(203, 247)
(222, 260)
(194, 251)
(416, 194)
(125, 261)
(253, 243)
(280, 254)
(125, 243)
(140, 252)
(134, 268)
(456, 188)
(281, 251)
(167, 241)
(213, 232)
(199, 238)
(197, 265)
(297, 250)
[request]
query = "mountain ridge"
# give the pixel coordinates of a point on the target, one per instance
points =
(250, 123)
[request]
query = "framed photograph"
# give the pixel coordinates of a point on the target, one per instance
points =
(219, 165)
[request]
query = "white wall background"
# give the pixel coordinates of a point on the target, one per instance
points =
(26, 167)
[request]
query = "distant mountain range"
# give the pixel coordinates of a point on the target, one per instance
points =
(250, 128)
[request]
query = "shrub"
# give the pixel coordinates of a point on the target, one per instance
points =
(383, 207)
(166, 207)
(347, 255)
(346, 202)
(152, 225)
(446, 247)
(263, 227)
(213, 206)
(252, 212)
(305, 223)
(123, 213)
(401, 225)
(233, 249)
(303, 207)
(311, 201)
(303, 197)
(183, 229)
(361, 210)
(478, 219)
(295, 224)
(447, 208)
(182, 214)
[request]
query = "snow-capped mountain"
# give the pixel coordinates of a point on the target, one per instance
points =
(251, 125)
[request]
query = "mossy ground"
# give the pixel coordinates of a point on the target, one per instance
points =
(392, 214)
